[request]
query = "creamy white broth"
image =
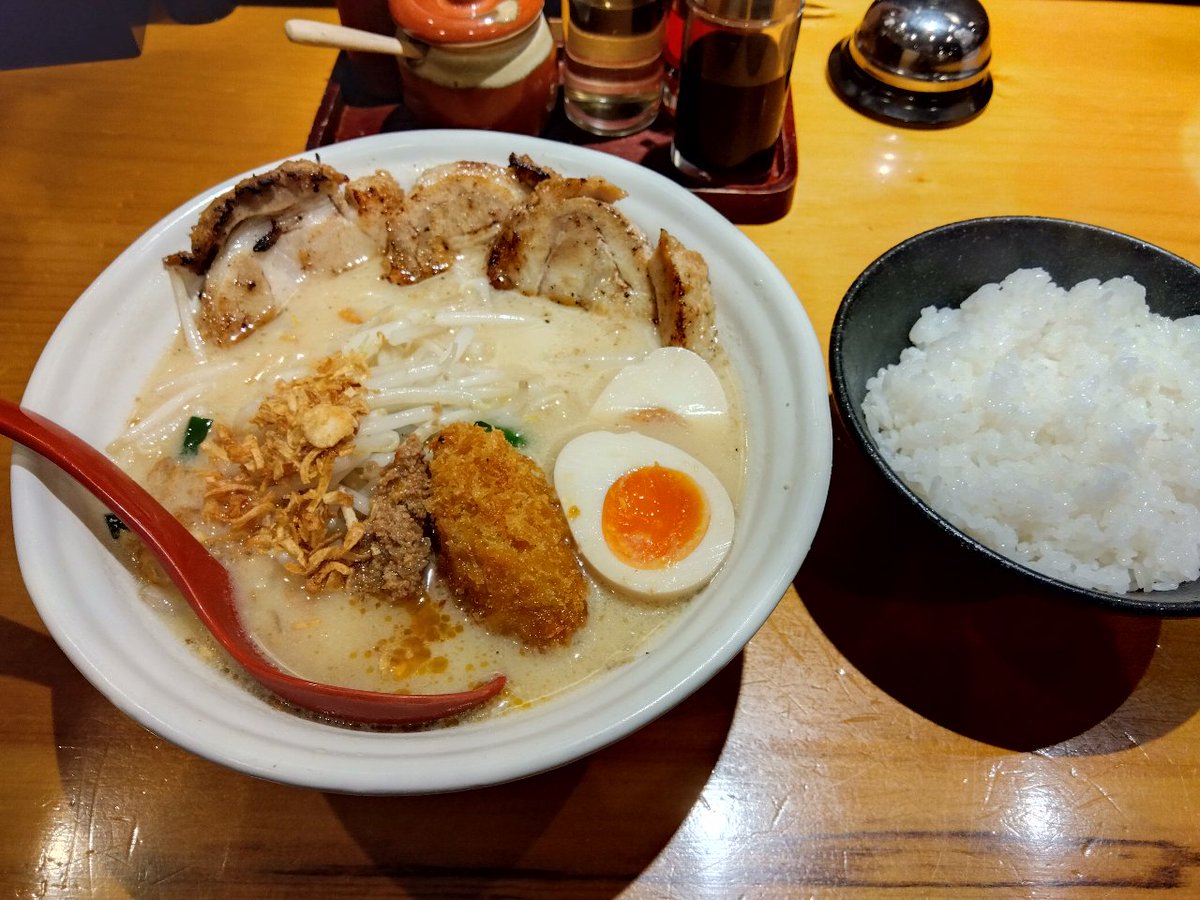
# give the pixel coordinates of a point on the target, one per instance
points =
(558, 358)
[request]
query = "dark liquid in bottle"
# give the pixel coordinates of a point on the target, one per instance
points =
(732, 96)
(616, 17)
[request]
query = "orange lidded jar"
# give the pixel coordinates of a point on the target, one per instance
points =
(489, 64)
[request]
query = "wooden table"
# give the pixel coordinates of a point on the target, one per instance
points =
(887, 733)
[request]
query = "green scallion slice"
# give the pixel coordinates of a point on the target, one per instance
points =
(195, 433)
(514, 438)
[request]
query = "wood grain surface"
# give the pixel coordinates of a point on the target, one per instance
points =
(905, 724)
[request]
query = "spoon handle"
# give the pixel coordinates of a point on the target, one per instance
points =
(339, 37)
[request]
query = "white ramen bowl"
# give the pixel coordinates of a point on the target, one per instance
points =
(111, 338)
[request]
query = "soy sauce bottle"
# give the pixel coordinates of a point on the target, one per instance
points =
(733, 88)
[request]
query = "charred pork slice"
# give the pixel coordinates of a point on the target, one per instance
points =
(377, 199)
(528, 172)
(683, 297)
(569, 243)
(450, 207)
(253, 245)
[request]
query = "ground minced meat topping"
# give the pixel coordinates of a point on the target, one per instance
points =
(397, 546)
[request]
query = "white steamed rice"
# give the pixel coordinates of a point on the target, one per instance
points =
(1058, 427)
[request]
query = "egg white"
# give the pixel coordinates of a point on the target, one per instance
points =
(671, 378)
(584, 471)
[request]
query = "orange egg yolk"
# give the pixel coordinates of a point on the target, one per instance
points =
(653, 517)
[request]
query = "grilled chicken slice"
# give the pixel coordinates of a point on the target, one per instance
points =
(450, 207)
(569, 243)
(683, 297)
(253, 245)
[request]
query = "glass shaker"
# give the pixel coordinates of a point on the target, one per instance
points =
(612, 77)
(733, 87)
(489, 64)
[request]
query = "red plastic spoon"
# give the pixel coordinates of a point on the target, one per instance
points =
(206, 584)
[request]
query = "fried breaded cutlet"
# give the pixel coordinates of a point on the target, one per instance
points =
(504, 542)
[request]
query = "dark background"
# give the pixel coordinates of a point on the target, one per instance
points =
(55, 32)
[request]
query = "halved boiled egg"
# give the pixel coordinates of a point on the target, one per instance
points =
(647, 517)
(670, 378)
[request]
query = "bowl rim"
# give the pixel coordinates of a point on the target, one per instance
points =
(1138, 603)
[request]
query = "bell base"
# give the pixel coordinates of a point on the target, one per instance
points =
(873, 98)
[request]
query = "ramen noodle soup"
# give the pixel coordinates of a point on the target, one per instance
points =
(477, 424)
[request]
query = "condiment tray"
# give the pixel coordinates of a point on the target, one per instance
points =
(346, 112)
